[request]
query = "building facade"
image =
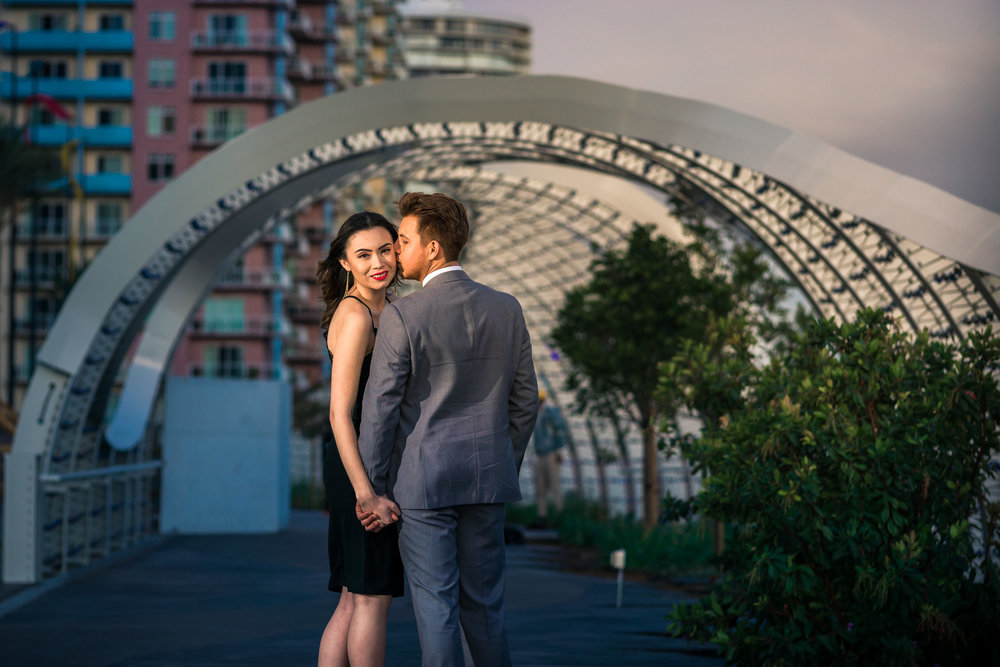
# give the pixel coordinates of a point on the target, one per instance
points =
(68, 80)
(442, 40)
(149, 88)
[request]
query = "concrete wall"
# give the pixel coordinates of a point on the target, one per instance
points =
(226, 453)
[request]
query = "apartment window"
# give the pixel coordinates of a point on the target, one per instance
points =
(224, 315)
(47, 265)
(109, 218)
(112, 22)
(228, 29)
(160, 167)
(109, 164)
(162, 26)
(110, 117)
(161, 73)
(48, 22)
(224, 124)
(47, 69)
(49, 219)
(160, 121)
(110, 69)
(227, 77)
(454, 26)
(45, 312)
(224, 361)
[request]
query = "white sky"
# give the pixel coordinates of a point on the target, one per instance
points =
(913, 85)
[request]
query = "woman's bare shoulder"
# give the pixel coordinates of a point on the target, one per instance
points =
(350, 320)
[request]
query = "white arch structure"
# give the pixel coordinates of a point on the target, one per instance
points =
(848, 232)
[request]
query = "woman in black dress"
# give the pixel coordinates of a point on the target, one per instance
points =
(364, 566)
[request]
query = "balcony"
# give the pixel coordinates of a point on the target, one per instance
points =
(324, 73)
(67, 89)
(304, 354)
(106, 184)
(382, 7)
(304, 314)
(55, 229)
(237, 371)
(212, 137)
(281, 233)
(242, 42)
(346, 15)
(381, 37)
(46, 277)
(256, 279)
(97, 184)
(299, 69)
(22, 325)
(65, 41)
(376, 68)
(243, 3)
(243, 89)
(110, 136)
(244, 327)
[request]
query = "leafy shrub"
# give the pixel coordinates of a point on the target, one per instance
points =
(683, 547)
(854, 467)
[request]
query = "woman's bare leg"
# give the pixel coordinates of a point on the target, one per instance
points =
(366, 637)
(333, 645)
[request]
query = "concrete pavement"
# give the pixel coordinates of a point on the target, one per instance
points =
(262, 600)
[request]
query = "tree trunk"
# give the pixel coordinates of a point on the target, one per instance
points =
(574, 460)
(626, 462)
(651, 497)
(602, 483)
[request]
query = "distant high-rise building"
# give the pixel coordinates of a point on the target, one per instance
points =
(442, 40)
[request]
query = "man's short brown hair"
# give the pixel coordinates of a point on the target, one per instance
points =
(439, 218)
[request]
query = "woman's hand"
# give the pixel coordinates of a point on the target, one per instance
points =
(376, 512)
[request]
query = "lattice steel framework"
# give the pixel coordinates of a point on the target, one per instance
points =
(80, 485)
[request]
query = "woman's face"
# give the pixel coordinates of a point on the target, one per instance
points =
(371, 258)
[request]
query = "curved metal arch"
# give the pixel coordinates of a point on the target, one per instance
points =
(170, 249)
(761, 203)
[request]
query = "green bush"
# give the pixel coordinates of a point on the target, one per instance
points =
(306, 496)
(679, 548)
(854, 468)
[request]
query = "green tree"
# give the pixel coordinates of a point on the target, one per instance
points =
(642, 302)
(854, 468)
(25, 170)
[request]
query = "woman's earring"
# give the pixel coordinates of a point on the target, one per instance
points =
(347, 284)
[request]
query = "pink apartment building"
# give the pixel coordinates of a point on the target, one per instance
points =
(207, 70)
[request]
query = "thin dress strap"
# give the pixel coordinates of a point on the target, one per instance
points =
(370, 316)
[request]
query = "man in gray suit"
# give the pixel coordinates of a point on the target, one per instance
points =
(447, 414)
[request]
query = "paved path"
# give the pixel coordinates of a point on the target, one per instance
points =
(261, 600)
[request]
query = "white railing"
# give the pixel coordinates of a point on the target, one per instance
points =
(243, 88)
(257, 40)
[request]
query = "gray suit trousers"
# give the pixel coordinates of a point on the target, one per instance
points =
(454, 560)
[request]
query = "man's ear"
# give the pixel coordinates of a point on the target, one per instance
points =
(434, 250)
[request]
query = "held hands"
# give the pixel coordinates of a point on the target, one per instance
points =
(376, 512)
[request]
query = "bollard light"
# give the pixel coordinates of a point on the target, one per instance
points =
(618, 562)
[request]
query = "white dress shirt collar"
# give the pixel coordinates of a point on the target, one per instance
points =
(438, 272)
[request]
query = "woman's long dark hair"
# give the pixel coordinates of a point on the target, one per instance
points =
(331, 275)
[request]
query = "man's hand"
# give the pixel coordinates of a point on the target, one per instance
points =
(376, 512)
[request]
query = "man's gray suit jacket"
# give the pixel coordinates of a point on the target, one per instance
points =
(452, 396)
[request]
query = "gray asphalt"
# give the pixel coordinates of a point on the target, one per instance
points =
(262, 600)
